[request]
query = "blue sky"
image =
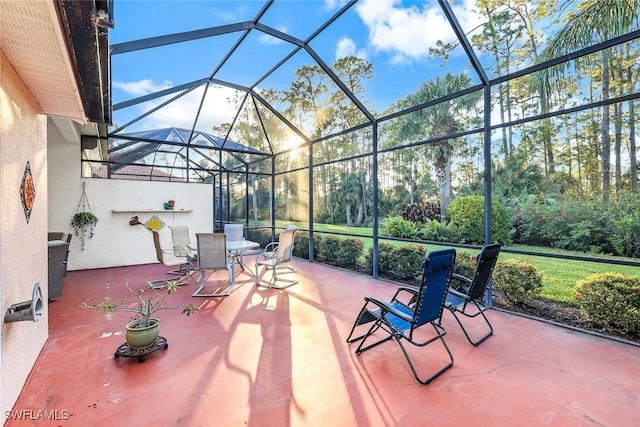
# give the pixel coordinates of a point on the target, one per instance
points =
(394, 35)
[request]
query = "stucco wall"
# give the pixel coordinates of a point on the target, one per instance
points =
(23, 246)
(115, 242)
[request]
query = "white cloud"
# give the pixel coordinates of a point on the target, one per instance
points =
(181, 112)
(240, 13)
(334, 4)
(347, 47)
(142, 87)
(267, 39)
(407, 33)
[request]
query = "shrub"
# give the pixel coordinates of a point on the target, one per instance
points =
(339, 251)
(612, 300)
(466, 218)
(578, 225)
(529, 222)
(407, 261)
(301, 244)
(518, 281)
(436, 231)
(385, 258)
(262, 236)
(566, 223)
(402, 263)
(466, 264)
(398, 227)
(625, 220)
(421, 213)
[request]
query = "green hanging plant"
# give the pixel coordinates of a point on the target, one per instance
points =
(84, 220)
(81, 219)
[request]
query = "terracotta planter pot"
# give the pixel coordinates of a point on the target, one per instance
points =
(142, 337)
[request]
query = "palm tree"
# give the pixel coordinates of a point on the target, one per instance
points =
(438, 121)
(599, 20)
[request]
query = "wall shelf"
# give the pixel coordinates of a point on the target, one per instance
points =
(130, 211)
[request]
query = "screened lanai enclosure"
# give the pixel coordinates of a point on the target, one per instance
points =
(360, 113)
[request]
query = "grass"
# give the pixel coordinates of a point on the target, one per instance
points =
(559, 276)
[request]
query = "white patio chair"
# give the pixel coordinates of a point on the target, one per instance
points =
(213, 256)
(171, 258)
(275, 258)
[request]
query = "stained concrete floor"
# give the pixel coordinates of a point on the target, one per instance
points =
(265, 357)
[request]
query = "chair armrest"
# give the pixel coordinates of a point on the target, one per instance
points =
(178, 251)
(270, 250)
(460, 278)
(386, 307)
(462, 282)
(412, 291)
(409, 289)
(458, 294)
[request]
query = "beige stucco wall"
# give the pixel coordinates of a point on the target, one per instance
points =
(28, 136)
(23, 246)
(115, 242)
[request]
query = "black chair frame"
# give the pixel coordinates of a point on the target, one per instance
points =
(399, 318)
(466, 297)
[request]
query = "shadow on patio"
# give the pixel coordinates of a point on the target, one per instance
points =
(279, 358)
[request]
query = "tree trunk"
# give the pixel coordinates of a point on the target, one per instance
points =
(360, 215)
(578, 159)
(606, 138)
(254, 198)
(617, 111)
(633, 160)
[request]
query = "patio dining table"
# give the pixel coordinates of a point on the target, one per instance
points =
(238, 248)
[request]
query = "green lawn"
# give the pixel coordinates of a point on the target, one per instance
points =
(559, 276)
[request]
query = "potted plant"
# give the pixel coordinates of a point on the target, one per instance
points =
(143, 328)
(169, 205)
(83, 223)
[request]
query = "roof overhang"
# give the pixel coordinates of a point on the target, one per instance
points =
(60, 51)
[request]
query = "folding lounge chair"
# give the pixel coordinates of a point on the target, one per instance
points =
(396, 319)
(466, 297)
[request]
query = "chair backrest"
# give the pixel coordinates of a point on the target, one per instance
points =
(180, 235)
(285, 245)
(437, 269)
(234, 232)
(179, 238)
(158, 246)
(212, 251)
(167, 258)
(57, 235)
(487, 259)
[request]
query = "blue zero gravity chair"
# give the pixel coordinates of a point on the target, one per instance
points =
(400, 319)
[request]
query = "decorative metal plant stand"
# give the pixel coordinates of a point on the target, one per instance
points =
(125, 350)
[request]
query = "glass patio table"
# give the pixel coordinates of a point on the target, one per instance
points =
(238, 248)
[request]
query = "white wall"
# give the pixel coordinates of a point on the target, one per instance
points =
(115, 242)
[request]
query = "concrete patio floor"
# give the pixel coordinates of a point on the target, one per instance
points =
(265, 357)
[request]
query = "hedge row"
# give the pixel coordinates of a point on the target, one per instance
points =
(573, 224)
(612, 300)
(342, 252)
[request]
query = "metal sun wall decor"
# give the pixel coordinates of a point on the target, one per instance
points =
(27, 192)
(154, 224)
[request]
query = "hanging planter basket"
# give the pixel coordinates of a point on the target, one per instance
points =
(84, 221)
